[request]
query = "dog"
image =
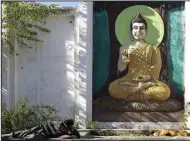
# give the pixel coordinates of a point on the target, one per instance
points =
(170, 132)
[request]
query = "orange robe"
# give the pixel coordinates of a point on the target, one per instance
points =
(144, 60)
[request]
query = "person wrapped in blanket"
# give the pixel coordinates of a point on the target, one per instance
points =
(49, 130)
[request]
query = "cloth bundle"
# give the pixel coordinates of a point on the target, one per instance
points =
(48, 130)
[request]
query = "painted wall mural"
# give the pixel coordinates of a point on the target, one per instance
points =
(136, 76)
(102, 43)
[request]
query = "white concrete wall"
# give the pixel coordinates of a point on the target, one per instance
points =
(4, 76)
(84, 57)
(45, 73)
(5, 71)
(187, 60)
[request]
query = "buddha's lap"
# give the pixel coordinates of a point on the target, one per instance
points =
(158, 92)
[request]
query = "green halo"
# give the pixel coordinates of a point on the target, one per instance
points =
(155, 31)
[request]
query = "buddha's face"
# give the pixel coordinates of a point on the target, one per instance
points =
(139, 31)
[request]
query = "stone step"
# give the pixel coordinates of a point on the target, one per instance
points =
(85, 135)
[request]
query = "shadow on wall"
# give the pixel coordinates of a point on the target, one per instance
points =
(81, 66)
(70, 76)
(4, 75)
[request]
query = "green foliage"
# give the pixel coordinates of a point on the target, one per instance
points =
(5, 117)
(21, 116)
(91, 124)
(116, 133)
(23, 20)
(98, 132)
(184, 120)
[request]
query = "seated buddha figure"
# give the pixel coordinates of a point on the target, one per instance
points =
(143, 62)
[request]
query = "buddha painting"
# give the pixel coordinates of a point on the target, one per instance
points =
(131, 79)
(143, 62)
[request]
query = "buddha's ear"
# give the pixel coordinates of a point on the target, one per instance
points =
(132, 38)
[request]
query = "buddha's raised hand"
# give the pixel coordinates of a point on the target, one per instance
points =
(124, 56)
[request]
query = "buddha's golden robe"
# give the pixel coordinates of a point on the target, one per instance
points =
(144, 61)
